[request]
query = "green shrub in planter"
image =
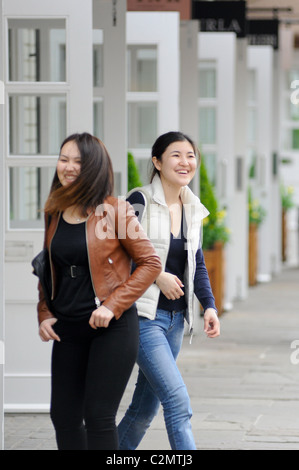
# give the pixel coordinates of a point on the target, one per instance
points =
(134, 180)
(215, 229)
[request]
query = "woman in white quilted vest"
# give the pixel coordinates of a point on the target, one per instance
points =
(172, 218)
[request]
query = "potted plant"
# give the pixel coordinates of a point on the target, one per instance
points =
(134, 180)
(287, 202)
(256, 214)
(215, 236)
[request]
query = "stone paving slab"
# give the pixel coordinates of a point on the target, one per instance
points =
(244, 386)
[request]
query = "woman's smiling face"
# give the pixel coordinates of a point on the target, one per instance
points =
(69, 163)
(178, 164)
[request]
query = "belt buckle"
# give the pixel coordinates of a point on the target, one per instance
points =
(73, 271)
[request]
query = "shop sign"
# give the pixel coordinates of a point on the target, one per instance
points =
(263, 33)
(220, 16)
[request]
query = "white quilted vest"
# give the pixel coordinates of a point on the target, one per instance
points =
(156, 223)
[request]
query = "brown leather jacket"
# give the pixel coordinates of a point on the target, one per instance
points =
(114, 238)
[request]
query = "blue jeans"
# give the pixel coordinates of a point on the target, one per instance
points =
(159, 381)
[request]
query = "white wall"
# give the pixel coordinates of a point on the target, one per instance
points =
(2, 310)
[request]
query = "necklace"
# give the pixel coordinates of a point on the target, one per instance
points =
(73, 214)
(76, 218)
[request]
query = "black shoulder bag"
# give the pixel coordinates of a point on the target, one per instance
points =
(41, 269)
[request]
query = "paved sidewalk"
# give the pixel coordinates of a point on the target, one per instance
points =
(244, 386)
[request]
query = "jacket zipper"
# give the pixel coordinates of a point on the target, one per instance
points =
(50, 258)
(96, 299)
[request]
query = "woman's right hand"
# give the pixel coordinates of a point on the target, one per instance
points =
(46, 331)
(170, 285)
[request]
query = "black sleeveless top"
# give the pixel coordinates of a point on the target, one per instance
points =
(74, 298)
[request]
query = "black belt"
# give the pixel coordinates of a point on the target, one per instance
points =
(75, 271)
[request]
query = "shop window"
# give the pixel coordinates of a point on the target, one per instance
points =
(37, 124)
(28, 191)
(207, 125)
(207, 80)
(98, 118)
(98, 83)
(295, 139)
(142, 124)
(36, 50)
(207, 115)
(142, 68)
(211, 166)
(292, 111)
(98, 58)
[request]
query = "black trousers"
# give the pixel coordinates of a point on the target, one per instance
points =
(90, 371)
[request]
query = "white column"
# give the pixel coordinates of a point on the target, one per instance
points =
(111, 18)
(276, 212)
(261, 59)
(237, 272)
(80, 117)
(189, 84)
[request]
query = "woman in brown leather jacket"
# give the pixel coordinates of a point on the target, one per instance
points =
(91, 238)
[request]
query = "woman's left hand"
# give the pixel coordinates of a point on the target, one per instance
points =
(101, 317)
(211, 323)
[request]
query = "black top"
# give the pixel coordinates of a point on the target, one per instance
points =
(75, 298)
(176, 262)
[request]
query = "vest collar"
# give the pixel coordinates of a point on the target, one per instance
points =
(187, 196)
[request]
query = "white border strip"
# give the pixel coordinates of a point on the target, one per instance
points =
(1, 352)
(1, 92)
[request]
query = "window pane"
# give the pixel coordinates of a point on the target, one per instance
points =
(98, 58)
(252, 163)
(29, 188)
(292, 111)
(252, 125)
(292, 75)
(207, 83)
(98, 119)
(37, 50)
(295, 139)
(211, 166)
(252, 85)
(37, 124)
(142, 68)
(142, 124)
(207, 125)
(144, 167)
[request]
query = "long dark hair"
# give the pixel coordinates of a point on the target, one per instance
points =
(94, 183)
(163, 142)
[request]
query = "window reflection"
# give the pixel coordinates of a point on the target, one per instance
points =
(37, 124)
(37, 50)
(98, 119)
(207, 125)
(142, 68)
(98, 58)
(207, 82)
(142, 124)
(28, 191)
